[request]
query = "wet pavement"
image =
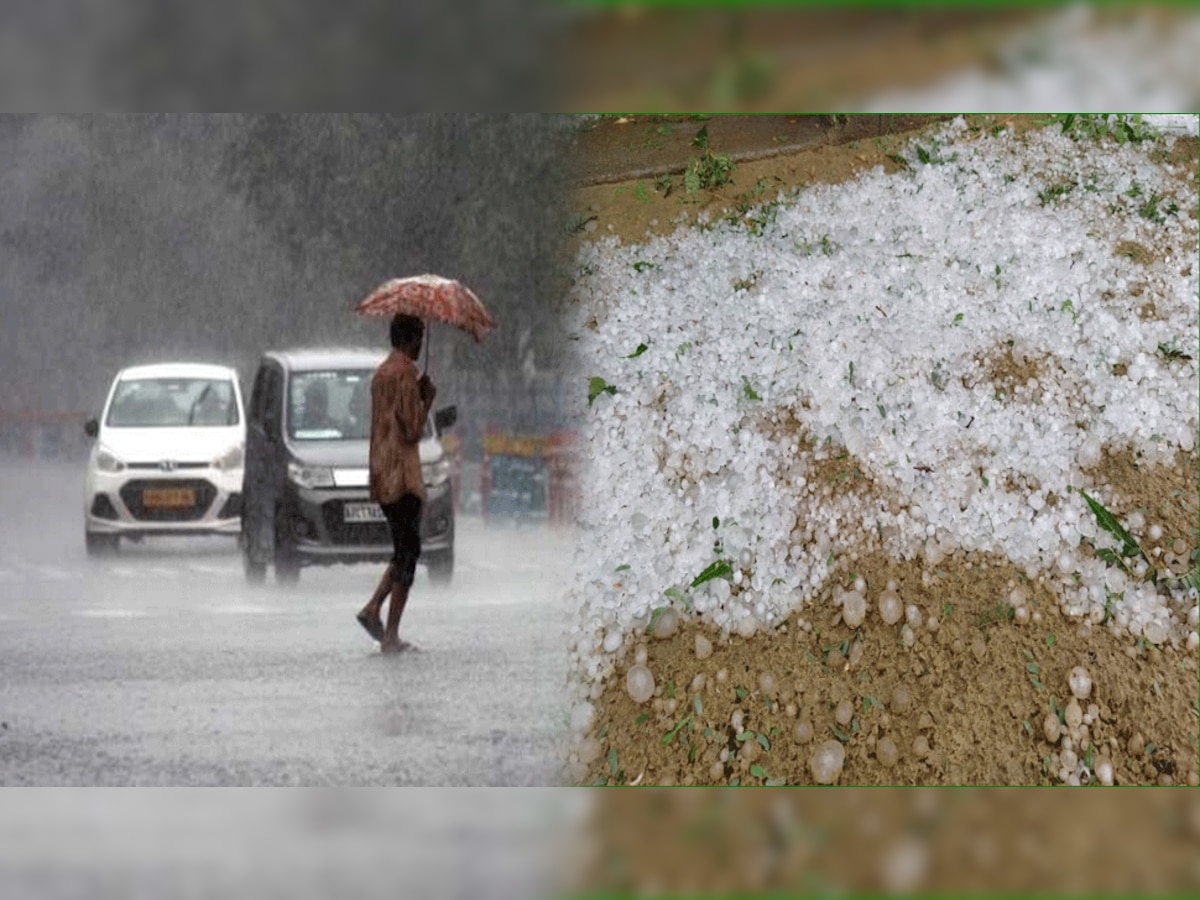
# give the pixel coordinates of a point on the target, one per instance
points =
(162, 666)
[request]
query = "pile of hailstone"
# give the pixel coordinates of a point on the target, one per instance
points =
(859, 317)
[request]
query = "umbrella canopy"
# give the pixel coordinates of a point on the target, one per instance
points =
(432, 298)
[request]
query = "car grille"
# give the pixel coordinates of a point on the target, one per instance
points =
(359, 534)
(131, 495)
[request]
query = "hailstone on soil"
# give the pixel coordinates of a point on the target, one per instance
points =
(826, 762)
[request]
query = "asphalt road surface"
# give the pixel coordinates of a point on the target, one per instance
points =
(162, 666)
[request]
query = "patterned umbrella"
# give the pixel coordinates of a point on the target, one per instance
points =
(432, 298)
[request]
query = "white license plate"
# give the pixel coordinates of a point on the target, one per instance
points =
(362, 512)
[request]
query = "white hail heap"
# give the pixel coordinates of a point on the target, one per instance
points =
(861, 312)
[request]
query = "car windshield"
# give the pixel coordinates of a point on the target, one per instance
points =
(173, 403)
(332, 405)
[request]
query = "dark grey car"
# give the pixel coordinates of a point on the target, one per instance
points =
(306, 499)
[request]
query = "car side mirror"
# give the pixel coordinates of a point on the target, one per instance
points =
(445, 417)
(91, 428)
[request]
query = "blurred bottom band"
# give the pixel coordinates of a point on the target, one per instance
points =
(524, 843)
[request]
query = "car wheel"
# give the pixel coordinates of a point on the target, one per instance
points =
(441, 567)
(100, 544)
(287, 561)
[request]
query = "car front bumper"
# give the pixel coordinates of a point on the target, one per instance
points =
(315, 520)
(113, 502)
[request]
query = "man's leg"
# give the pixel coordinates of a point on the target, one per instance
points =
(369, 616)
(409, 532)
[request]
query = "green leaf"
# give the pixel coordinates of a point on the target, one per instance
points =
(670, 690)
(641, 348)
(844, 738)
(673, 592)
(762, 740)
(741, 693)
(612, 760)
(641, 266)
(1050, 640)
(958, 319)
(691, 753)
(701, 138)
(598, 386)
(670, 735)
(1037, 684)
(641, 718)
(923, 154)
(1028, 655)
(758, 771)
(1109, 523)
(776, 782)
(1028, 727)
(698, 705)
(640, 192)
(744, 736)
(622, 568)
(1033, 667)
(719, 569)
(748, 391)
(716, 523)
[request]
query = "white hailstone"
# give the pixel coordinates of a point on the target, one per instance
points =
(891, 609)
(932, 623)
(803, 731)
(667, 624)
(613, 641)
(639, 683)
(1066, 563)
(704, 647)
(905, 866)
(908, 637)
(582, 717)
(766, 684)
(640, 655)
(912, 616)
(1154, 631)
(1073, 714)
(1021, 614)
(722, 675)
(1051, 727)
(1089, 453)
(698, 682)
(1193, 641)
(844, 712)
(1104, 771)
(901, 698)
(887, 752)
(747, 626)
(826, 762)
(737, 720)
(854, 608)
(1080, 682)
(860, 585)
(589, 751)
(1155, 532)
(1194, 616)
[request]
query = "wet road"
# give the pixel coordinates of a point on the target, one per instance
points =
(162, 666)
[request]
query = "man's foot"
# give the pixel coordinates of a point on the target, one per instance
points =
(372, 624)
(388, 645)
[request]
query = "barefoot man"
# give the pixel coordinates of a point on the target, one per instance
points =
(400, 401)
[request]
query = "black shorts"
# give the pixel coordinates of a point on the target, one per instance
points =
(404, 518)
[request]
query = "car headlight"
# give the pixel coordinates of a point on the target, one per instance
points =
(310, 476)
(436, 474)
(231, 458)
(107, 461)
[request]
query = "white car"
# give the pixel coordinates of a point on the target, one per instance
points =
(170, 447)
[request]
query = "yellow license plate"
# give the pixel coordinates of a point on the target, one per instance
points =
(168, 497)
